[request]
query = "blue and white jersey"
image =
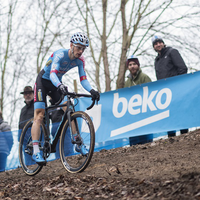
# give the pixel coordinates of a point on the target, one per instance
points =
(59, 63)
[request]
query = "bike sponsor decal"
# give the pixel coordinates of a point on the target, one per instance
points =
(30, 171)
(40, 95)
(83, 78)
(48, 63)
(58, 57)
(66, 165)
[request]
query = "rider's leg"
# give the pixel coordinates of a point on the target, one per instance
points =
(38, 118)
(41, 88)
(35, 133)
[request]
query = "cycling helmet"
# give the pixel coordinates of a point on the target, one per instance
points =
(156, 38)
(80, 38)
(132, 58)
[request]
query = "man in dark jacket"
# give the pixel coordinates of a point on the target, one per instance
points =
(27, 112)
(168, 63)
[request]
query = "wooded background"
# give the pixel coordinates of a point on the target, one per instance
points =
(31, 30)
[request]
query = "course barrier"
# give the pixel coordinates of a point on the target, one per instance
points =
(151, 108)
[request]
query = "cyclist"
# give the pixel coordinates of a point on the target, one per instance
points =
(49, 82)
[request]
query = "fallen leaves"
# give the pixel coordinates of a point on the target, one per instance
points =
(165, 169)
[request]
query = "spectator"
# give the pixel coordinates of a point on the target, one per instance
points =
(27, 112)
(6, 142)
(136, 77)
(168, 63)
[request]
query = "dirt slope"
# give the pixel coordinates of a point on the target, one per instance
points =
(165, 169)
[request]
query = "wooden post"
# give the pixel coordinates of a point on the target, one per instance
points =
(75, 86)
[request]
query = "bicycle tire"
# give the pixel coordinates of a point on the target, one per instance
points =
(73, 161)
(29, 166)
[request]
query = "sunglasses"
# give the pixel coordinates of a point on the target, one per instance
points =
(79, 47)
(25, 93)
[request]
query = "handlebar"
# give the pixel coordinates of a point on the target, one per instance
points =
(93, 102)
(75, 95)
(60, 100)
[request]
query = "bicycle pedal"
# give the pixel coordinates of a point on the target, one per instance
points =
(79, 142)
(28, 151)
(53, 150)
(42, 163)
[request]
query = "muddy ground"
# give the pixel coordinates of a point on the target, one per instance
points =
(163, 170)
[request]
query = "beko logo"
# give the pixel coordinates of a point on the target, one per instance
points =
(156, 100)
(138, 104)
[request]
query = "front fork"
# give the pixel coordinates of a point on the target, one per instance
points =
(70, 124)
(74, 126)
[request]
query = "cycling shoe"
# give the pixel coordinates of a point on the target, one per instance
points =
(38, 158)
(81, 149)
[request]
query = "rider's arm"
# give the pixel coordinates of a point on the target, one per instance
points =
(54, 78)
(82, 75)
(55, 68)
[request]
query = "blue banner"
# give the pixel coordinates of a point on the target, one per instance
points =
(156, 107)
(164, 105)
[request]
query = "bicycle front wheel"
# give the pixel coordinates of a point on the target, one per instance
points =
(73, 158)
(29, 166)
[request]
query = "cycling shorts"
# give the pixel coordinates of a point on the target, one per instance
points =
(42, 88)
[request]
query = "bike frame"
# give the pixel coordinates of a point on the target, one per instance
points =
(49, 147)
(66, 116)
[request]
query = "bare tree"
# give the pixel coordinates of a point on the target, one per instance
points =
(127, 28)
(102, 35)
(26, 40)
(31, 30)
(51, 19)
(8, 35)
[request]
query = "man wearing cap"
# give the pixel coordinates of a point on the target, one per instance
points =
(168, 63)
(27, 112)
(137, 77)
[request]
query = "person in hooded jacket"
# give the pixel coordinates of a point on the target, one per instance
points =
(168, 63)
(6, 142)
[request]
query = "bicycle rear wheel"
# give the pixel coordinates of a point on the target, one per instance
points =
(72, 160)
(29, 166)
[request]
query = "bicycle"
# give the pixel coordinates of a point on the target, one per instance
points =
(72, 160)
